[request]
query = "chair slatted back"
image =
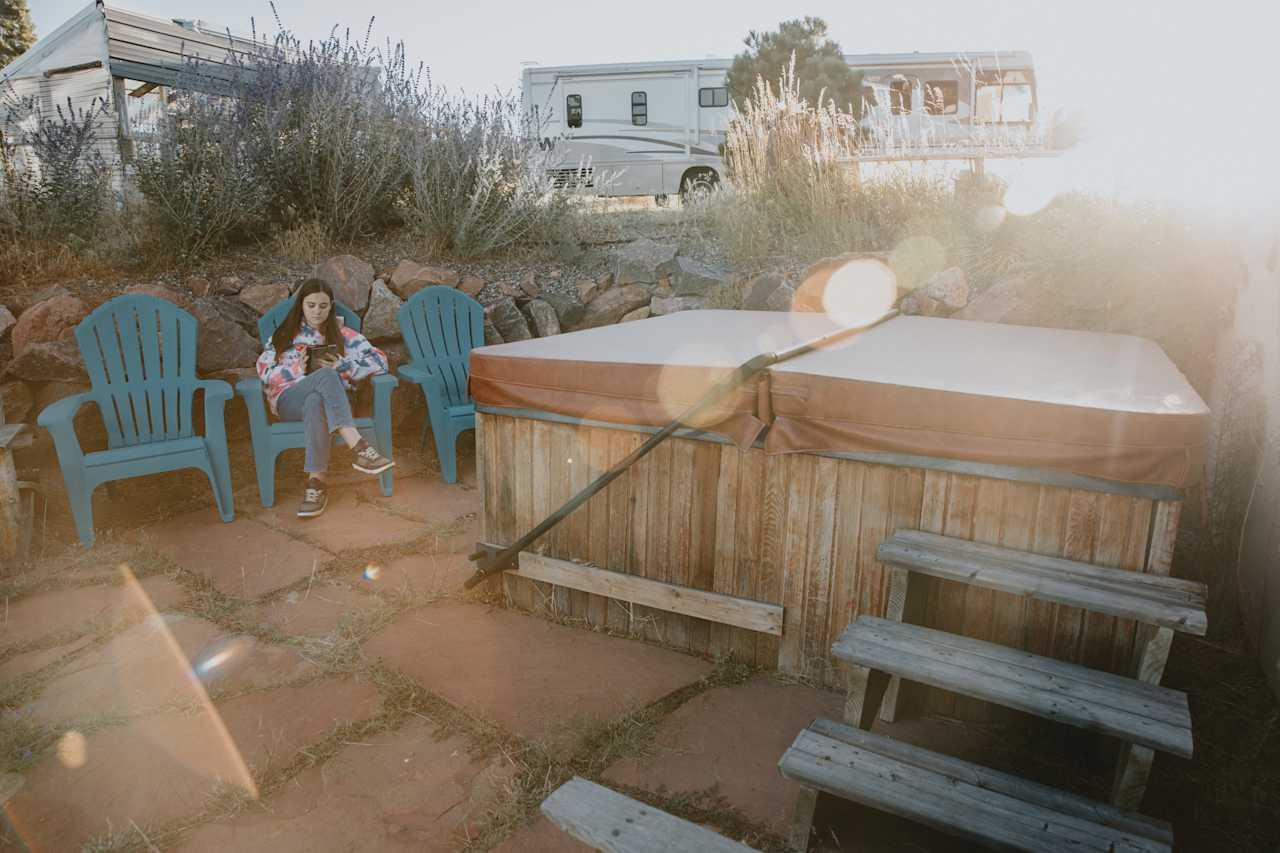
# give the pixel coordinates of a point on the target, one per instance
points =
(270, 321)
(140, 353)
(441, 326)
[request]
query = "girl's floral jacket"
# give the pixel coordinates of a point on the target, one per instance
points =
(361, 359)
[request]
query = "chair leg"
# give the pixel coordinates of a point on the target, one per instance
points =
(81, 500)
(220, 483)
(446, 449)
(265, 464)
(422, 439)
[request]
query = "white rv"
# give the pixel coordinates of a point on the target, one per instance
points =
(656, 128)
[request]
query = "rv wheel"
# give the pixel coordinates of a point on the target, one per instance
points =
(661, 200)
(698, 186)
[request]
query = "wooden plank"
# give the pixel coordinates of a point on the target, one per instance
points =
(1164, 536)
(795, 537)
(753, 615)
(1089, 699)
(819, 566)
(679, 535)
(621, 521)
(1048, 538)
(577, 540)
(483, 473)
(990, 817)
(772, 559)
(967, 773)
(703, 527)
(979, 601)
(724, 577)
(748, 646)
(1004, 570)
(1133, 767)
(957, 522)
(609, 821)
(598, 523)
(658, 493)
(1081, 533)
(844, 575)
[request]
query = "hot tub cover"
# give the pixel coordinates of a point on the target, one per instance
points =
(1100, 405)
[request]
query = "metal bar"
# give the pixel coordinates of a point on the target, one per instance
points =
(507, 558)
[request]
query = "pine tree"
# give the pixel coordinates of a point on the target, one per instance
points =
(820, 64)
(17, 33)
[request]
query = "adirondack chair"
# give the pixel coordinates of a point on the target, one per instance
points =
(271, 439)
(440, 326)
(140, 353)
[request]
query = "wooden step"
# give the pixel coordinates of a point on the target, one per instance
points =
(1154, 600)
(961, 798)
(606, 820)
(1135, 711)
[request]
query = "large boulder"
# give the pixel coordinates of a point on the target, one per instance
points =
(233, 309)
(694, 278)
(923, 305)
(409, 277)
(950, 287)
(17, 400)
(610, 306)
(49, 361)
(7, 321)
(641, 261)
(641, 313)
(471, 285)
(587, 290)
(673, 304)
(508, 320)
(761, 290)
(380, 321)
(1002, 302)
(350, 278)
(544, 317)
(221, 343)
(263, 297)
(491, 334)
(52, 319)
(569, 311)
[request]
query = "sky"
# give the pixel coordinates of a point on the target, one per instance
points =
(1171, 90)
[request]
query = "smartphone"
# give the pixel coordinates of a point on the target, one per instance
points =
(316, 354)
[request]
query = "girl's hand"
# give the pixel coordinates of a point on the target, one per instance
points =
(302, 361)
(332, 361)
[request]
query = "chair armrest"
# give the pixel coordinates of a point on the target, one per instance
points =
(63, 411)
(215, 389)
(383, 381)
(216, 394)
(249, 388)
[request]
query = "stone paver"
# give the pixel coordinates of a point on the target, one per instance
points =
(428, 498)
(313, 612)
(425, 574)
(535, 678)
(541, 836)
(158, 769)
(347, 523)
(732, 738)
(402, 790)
(244, 559)
(162, 661)
(46, 613)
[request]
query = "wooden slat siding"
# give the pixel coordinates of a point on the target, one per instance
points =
(993, 780)
(679, 534)
(483, 473)
(1069, 693)
(578, 525)
(605, 820)
(877, 497)
(529, 442)
(664, 597)
(815, 594)
(598, 552)
(844, 561)
(724, 569)
(1081, 535)
(706, 481)
(656, 565)
(121, 21)
(1124, 648)
(638, 538)
(980, 603)
(558, 492)
(618, 617)
(796, 534)
(1164, 535)
(772, 559)
(1114, 517)
(749, 564)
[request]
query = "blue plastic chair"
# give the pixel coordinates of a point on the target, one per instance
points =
(140, 353)
(272, 439)
(440, 326)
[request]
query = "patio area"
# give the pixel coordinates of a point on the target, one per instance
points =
(277, 684)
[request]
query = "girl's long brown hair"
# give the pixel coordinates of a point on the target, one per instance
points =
(282, 337)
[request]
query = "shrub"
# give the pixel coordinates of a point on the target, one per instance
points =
(479, 185)
(200, 188)
(55, 183)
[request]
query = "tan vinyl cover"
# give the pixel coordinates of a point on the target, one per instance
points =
(1109, 406)
(645, 372)
(1101, 405)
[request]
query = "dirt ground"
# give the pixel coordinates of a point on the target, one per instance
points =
(274, 684)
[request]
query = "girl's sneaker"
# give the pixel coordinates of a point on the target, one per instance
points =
(314, 499)
(368, 460)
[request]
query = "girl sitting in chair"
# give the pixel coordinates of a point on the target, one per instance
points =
(307, 368)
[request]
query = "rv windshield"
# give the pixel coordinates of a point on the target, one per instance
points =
(1004, 97)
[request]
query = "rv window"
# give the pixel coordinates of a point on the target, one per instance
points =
(1004, 97)
(717, 96)
(573, 110)
(900, 97)
(941, 97)
(639, 108)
